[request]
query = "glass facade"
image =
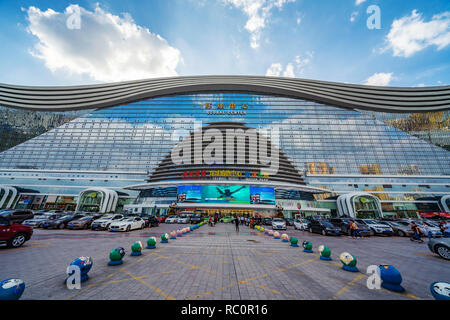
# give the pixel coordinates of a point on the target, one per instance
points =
(394, 156)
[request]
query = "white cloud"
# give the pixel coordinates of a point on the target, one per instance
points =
(411, 34)
(289, 71)
(106, 47)
(379, 79)
(353, 16)
(274, 70)
(299, 20)
(258, 12)
(358, 2)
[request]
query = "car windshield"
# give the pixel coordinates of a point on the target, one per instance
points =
(66, 217)
(5, 212)
(85, 218)
(326, 224)
(278, 220)
(370, 222)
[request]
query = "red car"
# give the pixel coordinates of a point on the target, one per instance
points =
(161, 219)
(14, 235)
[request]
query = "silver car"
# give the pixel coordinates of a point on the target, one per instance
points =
(401, 228)
(441, 246)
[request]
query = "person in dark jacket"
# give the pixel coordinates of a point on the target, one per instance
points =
(236, 221)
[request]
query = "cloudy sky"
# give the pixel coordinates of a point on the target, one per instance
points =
(84, 42)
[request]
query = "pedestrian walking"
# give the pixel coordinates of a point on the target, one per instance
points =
(236, 221)
(354, 230)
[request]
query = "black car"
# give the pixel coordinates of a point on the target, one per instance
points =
(16, 216)
(344, 225)
(289, 221)
(48, 217)
(61, 222)
(267, 221)
(150, 221)
(323, 227)
(196, 218)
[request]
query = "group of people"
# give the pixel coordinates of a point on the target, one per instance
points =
(416, 233)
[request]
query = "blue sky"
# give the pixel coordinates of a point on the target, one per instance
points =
(125, 40)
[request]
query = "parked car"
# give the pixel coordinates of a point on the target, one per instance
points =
(81, 223)
(13, 234)
(184, 219)
(161, 219)
(278, 224)
(344, 225)
(61, 223)
(39, 212)
(301, 224)
(196, 218)
(376, 227)
(400, 228)
(18, 215)
(104, 222)
(267, 221)
(428, 226)
(127, 224)
(36, 221)
(48, 218)
(172, 219)
(289, 222)
(152, 221)
(440, 246)
(324, 227)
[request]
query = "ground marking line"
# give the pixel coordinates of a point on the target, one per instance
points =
(157, 290)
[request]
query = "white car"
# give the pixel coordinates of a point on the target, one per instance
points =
(184, 219)
(278, 224)
(172, 219)
(105, 221)
(127, 224)
(426, 227)
(300, 225)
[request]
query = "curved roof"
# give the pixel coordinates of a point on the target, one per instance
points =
(386, 99)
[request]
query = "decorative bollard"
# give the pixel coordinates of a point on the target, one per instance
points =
(439, 289)
(294, 242)
(136, 248)
(271, 233)
(348, 262)
(284, 237)
(325, 252)
(276, 235)
(391, 278)
(151, 243)
(307, 246)
(173, 235)
(11, 289)
(84, 264)
(115, 256)
(179, 233)
(191, 228)
(164, 238)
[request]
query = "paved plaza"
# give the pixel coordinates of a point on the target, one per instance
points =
(217, 263)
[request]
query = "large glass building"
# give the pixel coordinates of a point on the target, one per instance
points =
(363, 158)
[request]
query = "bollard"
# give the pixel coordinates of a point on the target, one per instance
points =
(284, 237)
(440, 290)
(325, 252)
(151, 243)
(276, 235)
(179, 233)
(136, 248)
(294, 242)
(271, 233)
(307, 246)
(11, 289)
(115, 256)
(391, 278)
(84, 264)
(348, 262)
(173, 235)
(164, 238)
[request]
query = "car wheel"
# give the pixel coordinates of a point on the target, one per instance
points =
(443, 252)
(18, 240)
(143, 226)
(324, 233)
(61, 226)
(401, 233)
(372, 233)
(128, 228)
